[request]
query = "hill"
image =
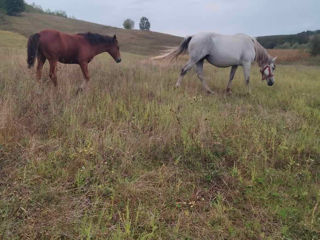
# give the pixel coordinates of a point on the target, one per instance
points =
(12, 40)
(287, 41)
(133, 41)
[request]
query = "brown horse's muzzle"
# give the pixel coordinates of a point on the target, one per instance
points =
(118, 60)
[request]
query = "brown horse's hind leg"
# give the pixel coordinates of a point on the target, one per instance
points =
(84, 69)
(53, 72)
(41, 61)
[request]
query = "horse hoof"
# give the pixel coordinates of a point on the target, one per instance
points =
(80, 90)
(228, 91)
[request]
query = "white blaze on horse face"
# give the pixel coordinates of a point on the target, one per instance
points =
(272, 68)
(267, 72)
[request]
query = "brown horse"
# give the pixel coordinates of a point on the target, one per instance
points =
(69, 49)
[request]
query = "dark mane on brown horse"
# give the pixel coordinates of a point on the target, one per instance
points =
(95, 38)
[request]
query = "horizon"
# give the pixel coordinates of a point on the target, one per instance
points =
(251, 17)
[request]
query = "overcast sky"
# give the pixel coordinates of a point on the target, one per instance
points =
(184, 17)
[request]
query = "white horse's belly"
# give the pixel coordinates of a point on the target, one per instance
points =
(223, 61)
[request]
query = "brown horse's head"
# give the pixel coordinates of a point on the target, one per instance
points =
(114, 50)
(103, 44)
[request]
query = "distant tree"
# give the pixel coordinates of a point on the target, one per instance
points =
(315, 45)
(144, 24)
(14, 7)
(128, 24)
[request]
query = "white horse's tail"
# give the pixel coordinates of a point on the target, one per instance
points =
(174, 53)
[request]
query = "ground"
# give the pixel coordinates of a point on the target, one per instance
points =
(135, 158)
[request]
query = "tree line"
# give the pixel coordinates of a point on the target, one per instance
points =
(304, 40)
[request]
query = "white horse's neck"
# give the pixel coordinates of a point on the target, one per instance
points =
(262, 56)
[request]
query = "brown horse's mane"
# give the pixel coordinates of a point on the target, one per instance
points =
(95, 38)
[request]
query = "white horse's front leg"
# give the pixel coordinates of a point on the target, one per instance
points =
(246, 71)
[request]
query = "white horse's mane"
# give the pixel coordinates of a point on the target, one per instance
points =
(262, 56)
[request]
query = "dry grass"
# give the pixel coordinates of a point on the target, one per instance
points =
(289, 55)
(134, 158)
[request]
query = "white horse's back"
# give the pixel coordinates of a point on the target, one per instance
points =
(222, 50)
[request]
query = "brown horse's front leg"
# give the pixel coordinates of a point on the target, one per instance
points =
(84, 69)
(53, 72)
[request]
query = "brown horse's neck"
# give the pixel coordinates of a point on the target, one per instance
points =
(100, 48)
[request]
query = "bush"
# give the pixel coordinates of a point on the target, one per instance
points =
(128, 24)
(59, 13)
(14, 7)
(33, 8)
(144, 24)
(285, 45)
(315, 45)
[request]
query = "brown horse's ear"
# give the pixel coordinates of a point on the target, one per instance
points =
(114, 37)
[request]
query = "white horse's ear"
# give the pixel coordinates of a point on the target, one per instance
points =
(274, 59)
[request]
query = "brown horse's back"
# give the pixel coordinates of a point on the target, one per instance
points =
(63, 47)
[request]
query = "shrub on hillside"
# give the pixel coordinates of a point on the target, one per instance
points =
(34, 8)
(59, 13)
(14, 7)
(315, 45)
(128, 23)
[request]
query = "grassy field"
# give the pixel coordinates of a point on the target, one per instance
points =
(135, 158)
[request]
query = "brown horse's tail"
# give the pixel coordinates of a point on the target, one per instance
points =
(33, 45)
(174, 53)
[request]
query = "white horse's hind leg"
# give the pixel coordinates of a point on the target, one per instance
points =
(199, 70)
(246, 71)
(184, 71)
(232, 73)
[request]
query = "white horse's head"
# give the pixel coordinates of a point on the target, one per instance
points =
(268, 71)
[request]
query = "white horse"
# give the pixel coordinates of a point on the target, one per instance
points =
(223, 51)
